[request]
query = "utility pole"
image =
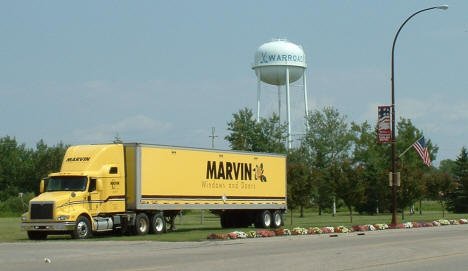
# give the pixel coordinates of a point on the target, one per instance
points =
(212, 136)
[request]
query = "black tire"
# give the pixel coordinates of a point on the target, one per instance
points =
(277, 219)
(123, 228)
(37, 235)
(263, 219)
(141, 224)
(82, 229)
(158, 223)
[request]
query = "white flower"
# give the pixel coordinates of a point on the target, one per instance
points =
(240, 234)
(408, 225)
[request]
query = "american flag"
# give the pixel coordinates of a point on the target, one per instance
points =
(421, 148)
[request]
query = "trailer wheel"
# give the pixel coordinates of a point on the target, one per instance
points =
(263, 219)
(277, 219)
(141, 224)
(158, 224)
(37, 235)
(82, 229)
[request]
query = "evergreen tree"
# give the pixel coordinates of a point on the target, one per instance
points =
(458, 200)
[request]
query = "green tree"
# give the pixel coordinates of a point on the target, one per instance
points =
(268, 135)
(327, 142)
(22, 168)
(412, 187)
(407, 135)
(439, 185)
(45, 160)
(374, 160)
(458, 200)
(447, 166)
(411, 165)
(14, 164)
(300, 188)
(348, 184)
(328, 138)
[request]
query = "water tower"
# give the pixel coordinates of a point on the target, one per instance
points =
(279, 63)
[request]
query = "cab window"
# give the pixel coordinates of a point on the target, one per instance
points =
(92, 185)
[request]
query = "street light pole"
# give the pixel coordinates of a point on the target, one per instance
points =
(394, 174)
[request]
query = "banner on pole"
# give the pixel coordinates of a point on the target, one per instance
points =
(384, 129)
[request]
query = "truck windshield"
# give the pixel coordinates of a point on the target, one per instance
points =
(68, 183)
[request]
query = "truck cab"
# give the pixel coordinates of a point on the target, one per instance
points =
(83, 197)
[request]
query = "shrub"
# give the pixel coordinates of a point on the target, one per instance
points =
(16, 205)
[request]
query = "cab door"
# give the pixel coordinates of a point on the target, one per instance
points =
(94, 197)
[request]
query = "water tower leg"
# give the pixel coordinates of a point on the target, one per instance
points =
(288, 109)
(258, 96)
(305, 101)
(279, 103)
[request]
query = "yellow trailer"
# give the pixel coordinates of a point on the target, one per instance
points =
(141, 187)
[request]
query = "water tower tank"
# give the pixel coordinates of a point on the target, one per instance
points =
(272, 58)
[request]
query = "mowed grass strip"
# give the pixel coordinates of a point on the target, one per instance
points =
(191, 229)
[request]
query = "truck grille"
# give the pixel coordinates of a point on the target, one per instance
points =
(42, 210)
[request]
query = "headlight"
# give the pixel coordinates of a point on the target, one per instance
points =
(63, 217)
(24, 218)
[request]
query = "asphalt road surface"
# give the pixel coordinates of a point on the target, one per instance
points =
(438, 248)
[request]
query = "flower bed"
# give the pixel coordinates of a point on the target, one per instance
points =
(380, 226)
(299, 231)
(314, 230)
(339, 229)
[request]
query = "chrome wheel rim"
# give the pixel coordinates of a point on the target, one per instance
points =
(277, 220)
(267, 220)
(82, 228)
(158, 224)
(143, 225)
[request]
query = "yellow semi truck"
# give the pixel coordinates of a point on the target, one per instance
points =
(140, 188)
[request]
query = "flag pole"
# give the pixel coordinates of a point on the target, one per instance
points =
(399, 156)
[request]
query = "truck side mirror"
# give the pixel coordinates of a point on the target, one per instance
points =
(42, 186)
(99, 185)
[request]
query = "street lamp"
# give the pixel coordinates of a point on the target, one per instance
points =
(394, 183)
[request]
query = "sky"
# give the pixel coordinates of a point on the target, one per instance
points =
(166, 72)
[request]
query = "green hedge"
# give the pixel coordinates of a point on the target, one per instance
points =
(15, 205)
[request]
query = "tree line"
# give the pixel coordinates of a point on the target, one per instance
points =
(334, 160)
(341, 160)
(22, 168)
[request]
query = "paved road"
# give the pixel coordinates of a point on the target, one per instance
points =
(441, 248)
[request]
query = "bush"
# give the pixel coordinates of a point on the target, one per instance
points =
(16, 205)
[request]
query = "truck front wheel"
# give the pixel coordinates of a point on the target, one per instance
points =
(141, 224)
(37, 235)
(82, 229)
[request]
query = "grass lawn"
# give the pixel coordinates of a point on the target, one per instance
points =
(191, 228)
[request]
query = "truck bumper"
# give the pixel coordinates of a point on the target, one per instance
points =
(51, 226)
